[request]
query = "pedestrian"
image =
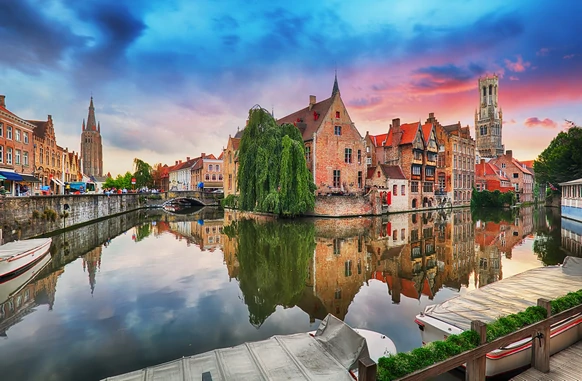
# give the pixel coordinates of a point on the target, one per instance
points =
(2, 191)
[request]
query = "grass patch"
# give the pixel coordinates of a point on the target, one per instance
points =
(402, 364)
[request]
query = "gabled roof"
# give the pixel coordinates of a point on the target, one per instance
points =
(239, 134)
(379, 140)
(8, 111)
(187, 164)
(306, 120)
(235, 143)
(521, 166)
(41, 127)
(528, 163)
(393, 171)
(426, 129)
(390, 171)
(220, 157)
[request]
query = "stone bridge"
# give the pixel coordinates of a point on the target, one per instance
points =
(196, 197)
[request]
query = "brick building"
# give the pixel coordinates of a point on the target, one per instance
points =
(180, 175)
(489, 119)
(456, 162)
(414, 148)
(207, 171)
(91, 145)
(489, 177)
(72, 166)
(230, 166)
(520, 177)
(334, 149)
(16, 151)
(48, 156)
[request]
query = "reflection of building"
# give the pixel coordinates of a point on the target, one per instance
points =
(209, 234)
(91, 263)
(37, 292)
(488, 255)
(571, 234)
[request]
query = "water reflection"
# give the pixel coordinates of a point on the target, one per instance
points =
(148, 287)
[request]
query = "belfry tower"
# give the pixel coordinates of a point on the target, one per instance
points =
(489, 119)
(91, 147)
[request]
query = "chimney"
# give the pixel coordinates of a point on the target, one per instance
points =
(187, 158)
(176, 162)
(396, 132)
(509, 153)
(311, 101)
(202, 155)
(3, 100)
(180, 161)
(50, 117)
(482, 161)
(431, 118)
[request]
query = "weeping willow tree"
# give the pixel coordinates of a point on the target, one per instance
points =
(273, 175)
(274, 263)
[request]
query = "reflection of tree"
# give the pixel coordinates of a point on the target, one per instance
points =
(496, 215)
(274, 261)
(547, 244)
(142, 231)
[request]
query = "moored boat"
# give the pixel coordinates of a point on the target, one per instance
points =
(330, 353)
(19, 256)
(502, 298)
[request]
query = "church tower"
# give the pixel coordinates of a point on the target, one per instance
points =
(91, 147)
(489, 119)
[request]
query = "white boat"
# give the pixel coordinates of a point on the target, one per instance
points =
(331, 353)
(18, 256)
(13, 285)
(502, 298)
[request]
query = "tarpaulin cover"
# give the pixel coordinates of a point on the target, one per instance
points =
(327, 356)
(510, 295)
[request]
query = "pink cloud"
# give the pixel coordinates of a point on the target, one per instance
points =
(533, 122)
(513, 78)
(569, 56)
(518, 66)
(543, 52)
(511, 121)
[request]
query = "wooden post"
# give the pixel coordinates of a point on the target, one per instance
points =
(476, 366)
(367, 369)
(540, 354)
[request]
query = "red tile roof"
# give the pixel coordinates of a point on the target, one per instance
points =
(409, 131)
(528, 163)
(379, 140)
(426, 129)
(393, 171)
(308, 121)
(521, 166)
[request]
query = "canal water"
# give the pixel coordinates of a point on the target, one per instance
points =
(149, 286)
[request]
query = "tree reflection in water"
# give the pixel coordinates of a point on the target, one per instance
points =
(274, 263)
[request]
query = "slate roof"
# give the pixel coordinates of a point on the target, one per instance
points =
(305, 119)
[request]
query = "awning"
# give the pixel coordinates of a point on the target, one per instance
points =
(12, 176)
(30, 179)
(57, 181)
(2, 177)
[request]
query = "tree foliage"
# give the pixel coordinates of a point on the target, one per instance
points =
(142, 174)
(274, 262)
(273, 176)
(495, 198)
(561, 161)
(120, 182)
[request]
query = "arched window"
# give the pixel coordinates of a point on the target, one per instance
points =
(210, 167)
(213, 177)
(220, 177)
(217, 167)
(414, 203)
(207, 176)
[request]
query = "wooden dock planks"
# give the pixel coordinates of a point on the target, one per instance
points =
(565, 365)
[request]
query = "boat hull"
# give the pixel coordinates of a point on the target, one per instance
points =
(23, 260)
(514, 356)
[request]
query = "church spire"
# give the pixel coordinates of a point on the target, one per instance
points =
(335, 86)
(83, 124)
(91, 123)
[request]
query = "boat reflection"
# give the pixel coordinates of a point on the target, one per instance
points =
(18, 296)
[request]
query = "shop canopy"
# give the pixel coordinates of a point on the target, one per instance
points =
(29, 179)
(12, 176)
(2, 177)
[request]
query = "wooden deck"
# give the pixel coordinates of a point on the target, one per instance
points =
(564, 365)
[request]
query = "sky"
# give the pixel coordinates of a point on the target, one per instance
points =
(173, 79)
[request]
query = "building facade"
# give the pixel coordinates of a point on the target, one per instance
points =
(413, 147)
(72, 166)
(48, 156)
(207, 173)
(230, 166)
(334, 149)
(521, 179)
(91, 145)
(16, 152)
(489, 119)
(456, 162)
(489, 177)
(392, 185)
(571, 202)
(180, 175)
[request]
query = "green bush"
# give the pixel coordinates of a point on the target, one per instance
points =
(494, 199)
(402, 364)
(230, 201)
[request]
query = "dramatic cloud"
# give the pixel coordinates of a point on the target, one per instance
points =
(518, 66)
(535, 122)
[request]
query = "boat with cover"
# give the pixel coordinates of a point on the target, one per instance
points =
(331, 353)
(18, 256)
(502, 298)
